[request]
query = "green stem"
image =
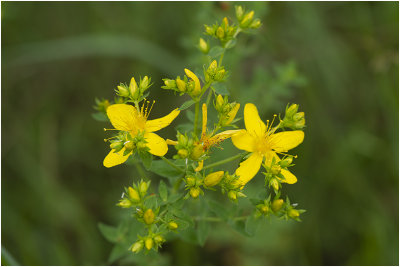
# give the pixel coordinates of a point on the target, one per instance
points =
(196, 116)
(208, 219)
(172, 164)
(224, 161)
(220, 59)
(209, 97)
(140, 169)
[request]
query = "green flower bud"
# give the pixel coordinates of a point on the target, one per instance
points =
(203, 46)
(219, 76)
(276, 169)
(122, 91)
(133, 88)
(194, 192)
(247, 19)
(232, 195)
(274, 183)
(255, 24)
(298, 116)
(239, 12)
(116, 145)
(129, 145)
(159, 239)
(149, 243)
(213, 67)
(197, 152)
(294, 214)
(291, 110)
(220, 33)
(183, 153)
(170, 83)
(209, 30)
(231, 115)
(144, 84)
(181, 85)
(172, 225)
(225, 22)
(125, 203)
(219, 103)
(277, 205)
(299, 124)
(286, 162)
(133, 194)
(143, 187)
(264, 209)
(190, 181)
(137, 247)
(213, 178)
(149, 216)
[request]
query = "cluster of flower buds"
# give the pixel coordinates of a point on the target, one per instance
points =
(246, 19)
(190, 84)
(293, 119)
(226, 111)
(214, 73)
(278, 207)
(224, 32)
(101, 105)
(134, 91)
(193, 183)
(273, 176)
(184, 146)
(125, 141)
(229, 186)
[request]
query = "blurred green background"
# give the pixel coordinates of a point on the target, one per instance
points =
(338, 60)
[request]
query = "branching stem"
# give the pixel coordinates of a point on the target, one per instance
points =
(224, 161)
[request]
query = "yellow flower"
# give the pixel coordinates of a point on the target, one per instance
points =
(264, 144)
(197, 88)
(127, 118)
(208, 141)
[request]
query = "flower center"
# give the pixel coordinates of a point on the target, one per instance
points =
(262, 145)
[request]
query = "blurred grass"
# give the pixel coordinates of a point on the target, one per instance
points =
(55, 190)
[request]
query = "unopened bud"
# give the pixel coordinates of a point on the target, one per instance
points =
(129, 145)
(172, 225)
(286, 162)
(276, 169)
(219, 76)
(122, 91)
(294, 214)
(194, 192)
(159, 239)
(181, 85)
(133, 194)
(264, 209)
(125, 203)
(137, 247)
(213, 67)
(275, 184)
(232, 195)
(170, 83)
(144, 83)
(209, 30)
(143, 187)
(231, 115)
(148, 216)
(213, 178)
(299, 124)
(183, 153)
(149, 243)
(247, 19)
(197, 152)
(239, 12)
(204, 47)
(291, 110)
(219, 103)
(190, 181)
(133, 88)
(225, 22)
(220, 33)
(277, 205)
(255, 24)
(116, 145)
(298, 116)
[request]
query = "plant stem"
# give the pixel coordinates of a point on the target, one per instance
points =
(220, 59)
(196, 116)
(208, 219)
(140, 170)
(172, 164)
(224, 161)
(209, 97)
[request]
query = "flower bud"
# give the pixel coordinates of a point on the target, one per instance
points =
(213, 178)
(116, 145)
(264, 209)
(181, 85)
(159, 239)
(291, 110)
(197, 88)
(144, 84)
(232, 195)
(276, 169)
(247, 19)
(129, 145)
(294, 214)
(239, 12)
(220, 33)
(172, 225)
(209, 30)
(231, 115)
(298, 116)
(219, 103)
(124, 203)
(133, 194)
(255, 24)
(197, 152)
(225, 22)
(183, 153)
(203, 45)
(277, 205)
(143, 186)
(190, 181)
(219, 76)
(299, 124)
(213, 67)
(274, 183)
(286, 162)
(148, 216)
(122, 91)
(169, 83)
(133, 88)
(137, 247)
(194, 192)
(149, 243)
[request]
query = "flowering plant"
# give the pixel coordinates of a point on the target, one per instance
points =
(181, 204)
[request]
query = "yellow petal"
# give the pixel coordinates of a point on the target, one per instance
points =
(244, 141)
(204, 126)
(156, 144)
(284, 141)
(157, 124)
(249, 168)
(197, 87)
(122, 116)
(269, 156)
(218, 138)
(171, 142)
(232, 114)
(254, 125)
(200, 167)
(113, 159)
(289, 177)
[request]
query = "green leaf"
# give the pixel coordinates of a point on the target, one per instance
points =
(151, 201)
(203, 229)
(99, 116)
(163, 169)
(220, 88)
(190, 115)
(109, 232)
(230, 44)
(239, 226)
(251, 225)
(216, 51)
(118, 251)
(147, 159)
(187, 104)
(174, 197)
(162, 189)
(218, 209)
